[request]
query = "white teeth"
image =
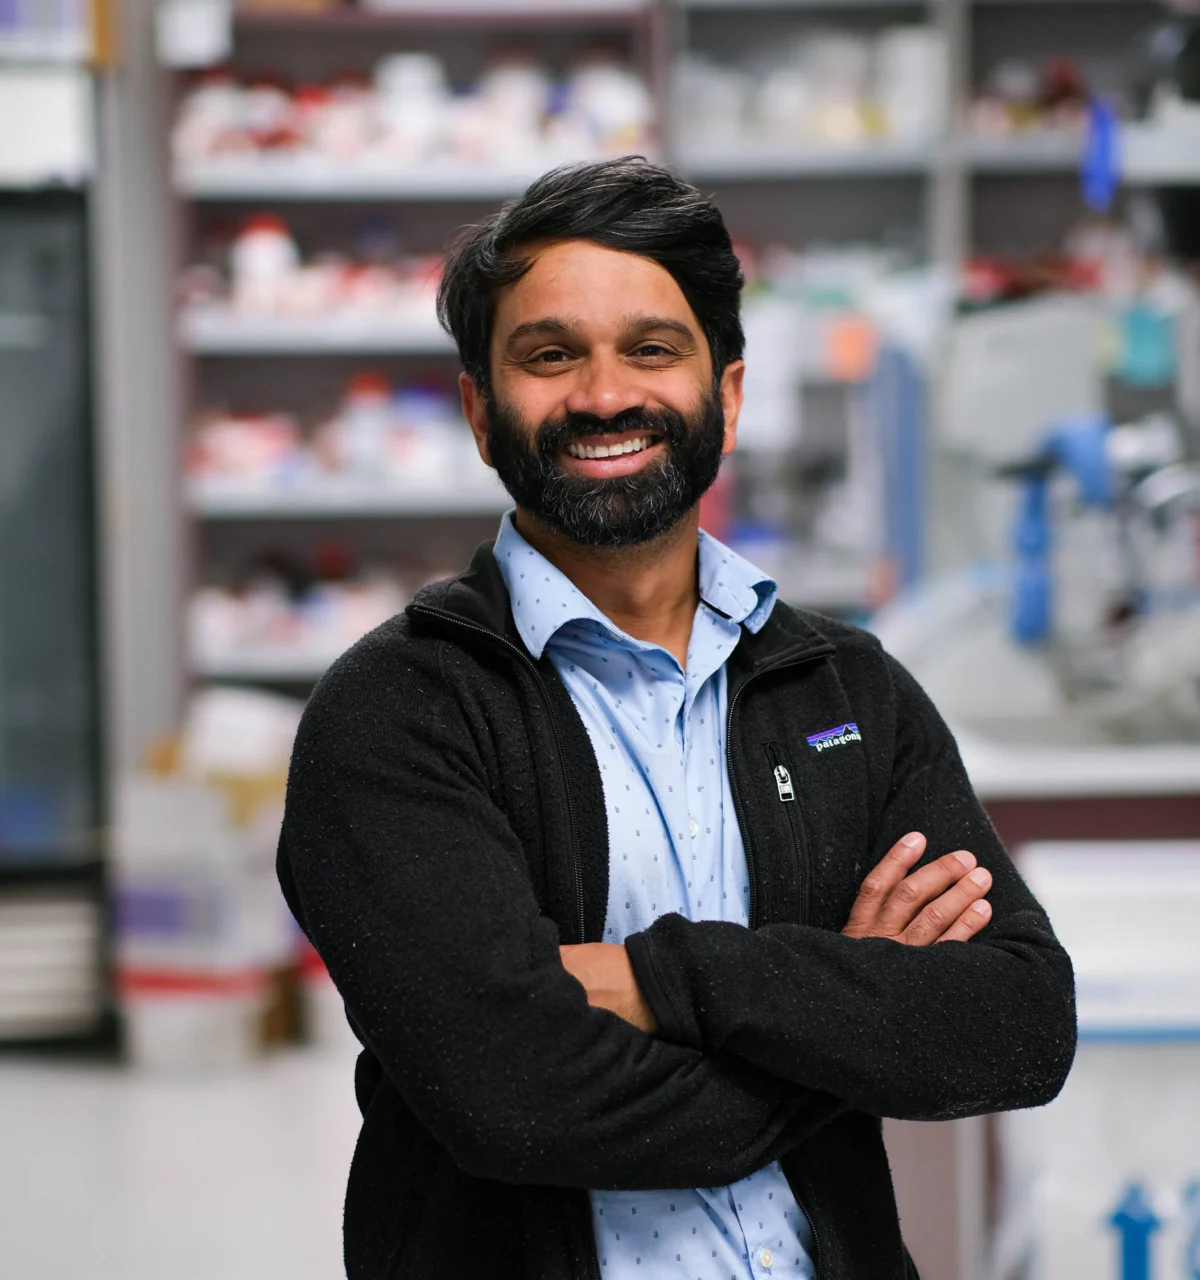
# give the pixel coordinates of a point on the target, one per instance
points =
(578, 450)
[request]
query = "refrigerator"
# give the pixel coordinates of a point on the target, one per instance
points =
(52, 982)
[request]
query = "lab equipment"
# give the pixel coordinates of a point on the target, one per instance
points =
(1102, 1181)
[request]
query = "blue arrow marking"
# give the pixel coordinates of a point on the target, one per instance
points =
(1191, 1249)
(1136, 1222)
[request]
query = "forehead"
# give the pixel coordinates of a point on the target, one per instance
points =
(596, 285)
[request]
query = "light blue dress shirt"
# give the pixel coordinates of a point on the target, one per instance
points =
(658, 731)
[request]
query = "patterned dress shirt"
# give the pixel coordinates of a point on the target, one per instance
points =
(658, 731)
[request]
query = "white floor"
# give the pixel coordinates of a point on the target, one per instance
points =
(109, 1174)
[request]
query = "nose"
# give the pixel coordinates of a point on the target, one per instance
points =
(604, 387)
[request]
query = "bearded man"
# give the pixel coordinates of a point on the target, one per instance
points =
(629, 874)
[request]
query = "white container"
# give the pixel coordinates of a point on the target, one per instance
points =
(362, 431)
(264, 262)
(200, 920)
(911, 78)
(195, 1029)
(1101, 1183)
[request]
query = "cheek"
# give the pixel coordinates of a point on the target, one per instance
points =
(531, 399)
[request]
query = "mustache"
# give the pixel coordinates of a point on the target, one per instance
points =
(552, 435)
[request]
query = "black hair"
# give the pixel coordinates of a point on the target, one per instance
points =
(626, 204)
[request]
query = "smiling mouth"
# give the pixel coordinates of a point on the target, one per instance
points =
(581, 449)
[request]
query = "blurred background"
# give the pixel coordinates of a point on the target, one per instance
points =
(230, 445)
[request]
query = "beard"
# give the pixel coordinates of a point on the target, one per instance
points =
(619, 511)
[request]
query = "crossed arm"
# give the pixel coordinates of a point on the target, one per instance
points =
(412, 884)
(911, 1031)
(941, 902)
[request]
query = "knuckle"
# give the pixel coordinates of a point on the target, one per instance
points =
(935, 919)
(873, 887)
(907, 892)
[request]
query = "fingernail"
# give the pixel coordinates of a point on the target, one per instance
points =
(913, 839)
(979, 876)
(982, 907)
(967, 859)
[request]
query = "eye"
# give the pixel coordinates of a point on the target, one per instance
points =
(550, 356)
(653, 350)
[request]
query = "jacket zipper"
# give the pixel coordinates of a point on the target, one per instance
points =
(784, 785)
(787, 795)
(591, 1259)
(576, 860)
(810, 655)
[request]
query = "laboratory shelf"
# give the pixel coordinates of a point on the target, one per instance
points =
(448, 13)
(814, 579)
(1045, 152)
(292, 178)
(45, 47)
(217, 330)
(224, 500)
(278, 664)
(1152, 156)
(826, 6)
(1053, 4)
(749, 162)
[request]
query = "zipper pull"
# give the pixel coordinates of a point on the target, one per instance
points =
(783, 780)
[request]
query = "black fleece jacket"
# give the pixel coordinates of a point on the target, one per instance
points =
(445, 831)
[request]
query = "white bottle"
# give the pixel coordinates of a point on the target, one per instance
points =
(363, 430)
(263, 263)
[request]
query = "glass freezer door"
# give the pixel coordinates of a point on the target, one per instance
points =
(48, 719)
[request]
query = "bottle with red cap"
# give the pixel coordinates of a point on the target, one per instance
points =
(361, 433)
(263, 263)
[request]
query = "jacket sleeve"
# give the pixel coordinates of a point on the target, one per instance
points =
(919, 1033)
(413, 887)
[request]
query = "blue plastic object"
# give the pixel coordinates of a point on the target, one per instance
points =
(897, 401)
(1100, 163)
(1135, 1222)
(1031, 582)
(1078, 447)
(29, 821)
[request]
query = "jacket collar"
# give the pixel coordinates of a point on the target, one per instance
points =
(478, 598)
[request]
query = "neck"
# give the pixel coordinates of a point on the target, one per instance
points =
(650, 591)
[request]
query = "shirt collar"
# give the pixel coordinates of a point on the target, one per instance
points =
(733, 586)
(544, 599)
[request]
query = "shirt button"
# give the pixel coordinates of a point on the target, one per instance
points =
(766, 1257)
(693, 827)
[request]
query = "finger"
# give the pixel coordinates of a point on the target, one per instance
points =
(923, 886)
(940, 914)
(884, 877)
(969, 923)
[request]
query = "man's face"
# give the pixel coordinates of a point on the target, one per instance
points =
(596, 352)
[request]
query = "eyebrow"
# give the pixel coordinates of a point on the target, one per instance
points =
(556, 327)
(546, 327)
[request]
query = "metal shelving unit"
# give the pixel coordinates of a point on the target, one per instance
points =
(1154, 157)
(757, 163)
(220, 331)
(938, 189)
(264, 665)
(316, 353)
(1033, 153)
(331, 500)
(282, 179)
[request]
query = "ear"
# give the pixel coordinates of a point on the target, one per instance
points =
(731, 395)
(474, 407)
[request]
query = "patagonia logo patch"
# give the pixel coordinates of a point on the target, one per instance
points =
(837, 737)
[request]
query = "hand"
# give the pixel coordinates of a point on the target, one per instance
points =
(942, 902)
(604, 972)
